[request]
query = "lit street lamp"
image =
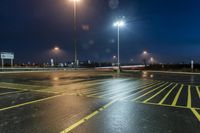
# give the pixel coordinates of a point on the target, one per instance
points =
(118, 24)
(55, 50)
(75, 32)
(152, 60)
(145, 53)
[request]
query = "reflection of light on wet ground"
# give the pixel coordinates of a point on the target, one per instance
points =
(151, 75)
(56, 78)
(192, 79)
(118, 118)
(144, 74)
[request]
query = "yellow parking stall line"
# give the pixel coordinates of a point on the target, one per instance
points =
(85, 119)
(145, 101)
(149, 92)
(138, 88)
(126, 90)
(164, 98)
(198, 91)
(96, 90)
(13, 88)
(142, 90)
(13, 92)
(189, 99)
(91, 87)
(165, 105)
(115, 90)
(196, 113)
(177, 96)
(31, 102)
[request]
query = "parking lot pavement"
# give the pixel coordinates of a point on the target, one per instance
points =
(90, 101)
(128, 117)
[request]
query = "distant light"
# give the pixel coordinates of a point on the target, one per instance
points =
(151, 75)
(55, 78)
(75, 0)
(145, 52)
(56, 48)
(119, 23)
(152, 59)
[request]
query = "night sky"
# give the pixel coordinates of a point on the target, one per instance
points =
(168, 29)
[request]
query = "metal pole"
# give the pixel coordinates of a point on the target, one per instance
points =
(75, 33)
(118, 70)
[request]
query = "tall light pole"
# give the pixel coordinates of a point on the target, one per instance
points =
(75, 31)
(55, 50)
(145, 53)
(118, 24)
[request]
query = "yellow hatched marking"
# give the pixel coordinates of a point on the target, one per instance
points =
(149, 92)
(141, 91)
(95, 90)
(157, 93)
(113, 91)
(12, 92)
(198, 91)
(177, 96)
(189, 99)
(162, 101)
(138, 88)
(165, 105)
(196, 113)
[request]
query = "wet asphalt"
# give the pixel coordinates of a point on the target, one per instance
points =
(99, 102)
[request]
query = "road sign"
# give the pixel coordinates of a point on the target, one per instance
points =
(6, 55)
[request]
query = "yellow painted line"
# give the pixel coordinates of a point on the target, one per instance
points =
(198, 91)
(128, 88)
(91, 88)
(156, 93)
(138, 88)
(189, 99)
(96, 90)
(177, 96)
(149, 92)
(31, 102)
(196, 114)
(114, 90)
(141, 91)
(45, 91)
(161, 102)
(12, 88)
(85, 119)
(13, 92)
(165, 105)
(20, 85)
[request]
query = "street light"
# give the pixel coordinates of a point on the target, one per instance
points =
(118, 24)
(145, 53)
(55, 50)
(75, 31)
(152, 60)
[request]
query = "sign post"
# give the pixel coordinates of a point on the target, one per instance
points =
(7, 56)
